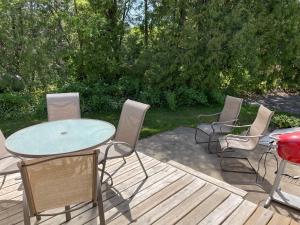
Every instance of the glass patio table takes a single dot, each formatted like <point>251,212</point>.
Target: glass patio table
<point>59,137</point>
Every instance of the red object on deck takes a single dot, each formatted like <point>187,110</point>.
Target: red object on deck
<point>289,147</point>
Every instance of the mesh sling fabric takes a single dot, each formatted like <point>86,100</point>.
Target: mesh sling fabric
<point>63,106</point>
<point>56,182</point>
<point>231,109</point>
<point>131,121</point>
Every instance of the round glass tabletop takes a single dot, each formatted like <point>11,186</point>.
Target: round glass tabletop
<point>59,137</point>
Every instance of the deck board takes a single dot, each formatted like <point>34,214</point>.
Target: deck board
<point>154,200</point>
<point>172,194</point>
<point>260,216</point>
<point>202,210</point>
<point>241,214</point>
<point>155,213</point>
<point>279,220</point>
<point>186,206</point>
<point>222,211</point>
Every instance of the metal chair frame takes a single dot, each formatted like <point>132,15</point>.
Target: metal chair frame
<point>211,136</point>
<point>142,108</point>
<point>28,212</point>
<point>243,138</point>
<point>5,156</point>
<point>112,143</point>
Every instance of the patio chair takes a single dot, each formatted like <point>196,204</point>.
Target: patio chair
<point>63,106</point>
<point>8,162</point>
<point>229,115</point>
<point>127,135</point>
<point>60,181</point>
<point>247,142</point>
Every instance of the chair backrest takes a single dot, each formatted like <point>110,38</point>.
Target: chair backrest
<point>55,182</point>
<point>3,151</point>
<point>262,121</point>
<point>63,106</point>
<point>231,109</point>
<point>131,121</point>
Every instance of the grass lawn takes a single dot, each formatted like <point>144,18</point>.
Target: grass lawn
<point>157,119</point>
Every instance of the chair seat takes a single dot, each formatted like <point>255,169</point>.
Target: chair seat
<point>115,151</point>
<point>236,143</point>
<point>9,165</point>
<point>206,128</point>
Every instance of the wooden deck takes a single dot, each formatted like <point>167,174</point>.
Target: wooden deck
<point>173,194</point>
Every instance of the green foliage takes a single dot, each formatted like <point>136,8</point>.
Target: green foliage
<point>14,105</point>
<point>188,96</point>
<point>186,52</point>
<point>96,97</point>
<point>152,96</point>
<point>216,97</point>
<point>171,100</point>
<point>285,121</point>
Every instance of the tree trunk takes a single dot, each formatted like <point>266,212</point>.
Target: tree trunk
<point>146,32</point>
<point>80,70</point>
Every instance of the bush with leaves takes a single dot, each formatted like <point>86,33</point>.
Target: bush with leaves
<point>171,100</point>
<point>285,121</point>
<point>16,105</point>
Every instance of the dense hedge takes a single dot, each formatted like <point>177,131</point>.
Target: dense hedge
<point>285,121</point>
<point>16,105</point>
<point>102,97</point>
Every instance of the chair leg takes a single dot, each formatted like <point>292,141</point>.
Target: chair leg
<point>124,160</point>
<point>210,139</point>
<point>209,143</point>
<point>100,205</point>
<point>3,180</point>
<point>196,131</point>
<point>137,155</point>
<point>102,172</point>
<point>25,210</point>
<point>221,154</point>
<point>68,213</point>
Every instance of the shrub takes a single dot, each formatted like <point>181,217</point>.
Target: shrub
<point>95,97</point>
<point>216,96</point>
<point>189,97</point>
<point>285,121</point>
<point>151,96</point>
<point>15,105</point>
<point>171,100</point>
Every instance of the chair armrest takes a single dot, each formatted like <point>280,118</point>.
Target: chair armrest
<point>10,156</point>
<point>112,143</point>
<point>225,122</point>
<point>207,115</point>
<point>237,126</point>
<point>242,137</point>
<point>222,124</point>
